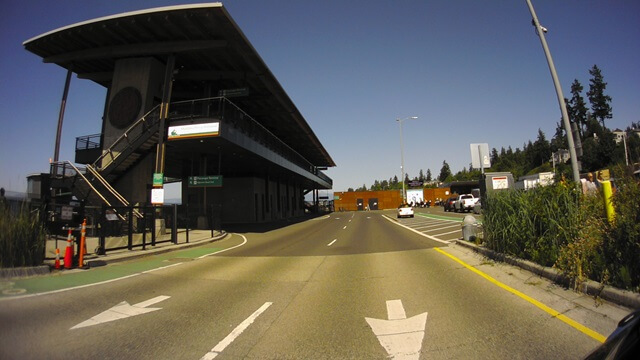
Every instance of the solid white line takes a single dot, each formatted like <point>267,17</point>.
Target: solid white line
<point>395,310</point>
<point>223,250</point>
<point>116,279</point>
<point>321,218</point>
<point>416,231</point>
<point>71,288</point>
<point>161,268</point>
<point>331,243</point>
<point>235,333</point>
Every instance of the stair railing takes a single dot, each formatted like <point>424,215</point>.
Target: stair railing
<point>113,191</point>
<point>145,123</point>
<point>81,174</point>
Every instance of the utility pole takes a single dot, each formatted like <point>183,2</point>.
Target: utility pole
<point>540,30</point>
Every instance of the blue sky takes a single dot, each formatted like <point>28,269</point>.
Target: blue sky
<point>472,71</point>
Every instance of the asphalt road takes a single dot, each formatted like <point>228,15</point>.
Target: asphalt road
<point>305,291</point>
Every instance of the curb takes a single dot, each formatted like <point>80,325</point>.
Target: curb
<point>92,263</point>
<point>12,273</point>
<point>21,272</point>
<point>589,287</point>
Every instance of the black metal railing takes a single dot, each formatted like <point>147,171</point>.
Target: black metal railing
<point>145,126</point>
<point>230,114</point>
<point>88,142</point>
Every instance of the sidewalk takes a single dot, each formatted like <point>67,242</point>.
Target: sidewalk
<point>196,238</point>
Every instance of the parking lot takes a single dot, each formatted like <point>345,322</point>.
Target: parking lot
<point>435,223</point>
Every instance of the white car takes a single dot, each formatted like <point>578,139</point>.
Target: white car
<point>405,210</point>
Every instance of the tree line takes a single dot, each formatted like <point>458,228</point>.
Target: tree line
<point>596,144</point>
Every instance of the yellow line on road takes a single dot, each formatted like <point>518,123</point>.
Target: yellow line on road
<point>601,338</point>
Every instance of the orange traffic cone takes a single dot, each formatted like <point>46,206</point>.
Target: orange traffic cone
<point>68,254</point>
<point>57,264</point>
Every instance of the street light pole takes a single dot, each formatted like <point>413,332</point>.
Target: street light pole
<point>563,108</point>
<point>404,194</point>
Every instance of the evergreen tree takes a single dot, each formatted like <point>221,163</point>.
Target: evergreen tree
<point>445,171</point>
<point>421,176</point>
<point>494,156</point>
<point>428,178</point>
<point>559,140</point>
<point>541,152</point>
<point>577,108</point>
<point>600,103</point>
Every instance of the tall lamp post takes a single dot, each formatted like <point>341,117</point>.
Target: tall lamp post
<point>540,30</point>
<point>404,194</point>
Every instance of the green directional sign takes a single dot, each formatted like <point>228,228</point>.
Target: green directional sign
<point>158,179</point>
<point>205,181</point>
<point>234,92</point>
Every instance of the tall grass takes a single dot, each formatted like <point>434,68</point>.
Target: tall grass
<point>533,224</point>
<point>22,238</point>
<point>558,226</point>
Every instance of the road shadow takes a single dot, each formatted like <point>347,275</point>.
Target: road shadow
<point>270,226</point>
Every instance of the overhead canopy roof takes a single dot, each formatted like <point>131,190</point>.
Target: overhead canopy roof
<point>210,49</point>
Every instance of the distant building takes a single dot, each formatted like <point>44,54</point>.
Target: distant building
<point>530,181</point>
<point>560,156</point>
<point>620,134</point>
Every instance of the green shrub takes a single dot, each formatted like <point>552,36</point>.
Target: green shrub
<point>22,239</point>
<point>622,240</point>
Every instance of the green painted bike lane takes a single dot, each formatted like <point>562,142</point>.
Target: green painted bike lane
<point>59,280</point>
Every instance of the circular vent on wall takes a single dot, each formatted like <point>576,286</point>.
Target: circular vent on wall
<point>125,107</point>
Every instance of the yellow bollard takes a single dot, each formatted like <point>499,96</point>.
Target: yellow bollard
<point>608,197</point>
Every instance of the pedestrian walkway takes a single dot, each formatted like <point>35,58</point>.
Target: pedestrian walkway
<point>91,259</point>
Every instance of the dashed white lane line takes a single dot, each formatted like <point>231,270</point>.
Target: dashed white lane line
<point>235,333</point>
<point>344,227</point>
<point>331,243</point>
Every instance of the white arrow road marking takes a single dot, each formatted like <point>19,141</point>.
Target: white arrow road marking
<point>399,336</point>
<point>122,311</point>
<point>235,333</point>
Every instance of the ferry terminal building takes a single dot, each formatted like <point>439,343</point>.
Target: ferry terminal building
<point>188,99</point>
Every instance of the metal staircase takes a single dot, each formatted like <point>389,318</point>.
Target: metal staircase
<point>92,183</point>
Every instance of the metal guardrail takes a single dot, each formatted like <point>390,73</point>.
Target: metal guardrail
<point>230,114</point>
<point>88,142</point>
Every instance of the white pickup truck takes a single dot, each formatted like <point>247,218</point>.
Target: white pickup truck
<point>465,202</point>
